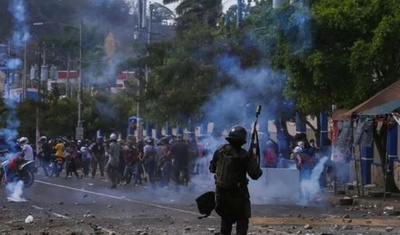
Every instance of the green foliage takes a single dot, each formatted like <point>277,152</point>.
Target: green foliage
<point>354,53</point>
<point>197,11</point>
<point>180,78</point>
<point>107,112</point>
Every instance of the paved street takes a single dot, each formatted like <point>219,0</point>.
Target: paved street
<point>88,206</point>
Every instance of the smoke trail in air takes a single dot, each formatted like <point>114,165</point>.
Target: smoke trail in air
<point>19,39</point>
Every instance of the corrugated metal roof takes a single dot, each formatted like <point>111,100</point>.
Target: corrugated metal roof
<point>381,103</point>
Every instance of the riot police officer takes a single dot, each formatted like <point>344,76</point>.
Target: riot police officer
<point>230,164</point>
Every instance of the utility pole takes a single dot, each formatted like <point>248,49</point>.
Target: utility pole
<point>239,14</point>
<point>39,79</point>
<point>138,120</point>
<point>67,87</point>
<point>25,77</point>
<point>80,77</point>
<point>136,34</point>
<point>148,41</point>
<point>8,72</point>
<point>148,128</point>
<point>144,9</point>
<point>79,128</point>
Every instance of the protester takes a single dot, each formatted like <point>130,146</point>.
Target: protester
<point>131,158</point>
<point>114,151</point>
<point>98,156</point>
<point>150,160</point>
<point>180,153</point>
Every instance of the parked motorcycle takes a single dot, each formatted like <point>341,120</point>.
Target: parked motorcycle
<point>16,169</point>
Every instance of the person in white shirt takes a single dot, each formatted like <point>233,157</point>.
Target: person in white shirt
<point>27,151</point>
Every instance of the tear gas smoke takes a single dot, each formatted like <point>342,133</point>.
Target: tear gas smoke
<point>21,30</point>
<point>15,190</point>
<point>296,26</point>
<point>19,39</point>
<point>310,188</point>
<point>259,85</point>
<point>284,186</point>
<point>14,63</point>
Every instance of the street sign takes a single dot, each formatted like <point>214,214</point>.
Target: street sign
<point>79,133</point>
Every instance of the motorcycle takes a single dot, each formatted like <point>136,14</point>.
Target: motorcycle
<point>17,168</point>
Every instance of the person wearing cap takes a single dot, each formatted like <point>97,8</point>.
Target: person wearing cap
<point>86,159</point>
<point>230,165</point>
<point>150,160</point>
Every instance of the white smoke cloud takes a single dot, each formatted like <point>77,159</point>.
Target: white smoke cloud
<point>15,190</point>
<point>19,39</point>
<point>310,188</point>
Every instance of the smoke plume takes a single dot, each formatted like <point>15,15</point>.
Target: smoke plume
<point>310,188</point>
<point>261,85</point>
<point>15,190</point>
<point>19,39</point>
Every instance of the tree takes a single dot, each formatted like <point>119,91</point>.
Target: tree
<point>161,13</point>
<point>179,83</point>
<point>355,53</point>
<point>190,11</point>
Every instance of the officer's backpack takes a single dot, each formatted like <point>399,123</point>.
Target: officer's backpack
<point>231,167</point>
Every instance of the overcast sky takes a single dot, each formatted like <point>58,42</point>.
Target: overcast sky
<point>227,4</point>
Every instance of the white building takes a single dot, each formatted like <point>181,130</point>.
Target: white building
<point>64,79</point>
<point>120,81</point>
<point>70,80</point>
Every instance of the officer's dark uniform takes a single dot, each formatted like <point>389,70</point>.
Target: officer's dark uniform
<point>233,204</point>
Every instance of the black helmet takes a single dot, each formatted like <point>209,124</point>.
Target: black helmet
<point>238,133</point>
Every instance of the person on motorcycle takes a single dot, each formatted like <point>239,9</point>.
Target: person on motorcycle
<point>26,149</point>
<point>59,148</point>
<point>25,154</point>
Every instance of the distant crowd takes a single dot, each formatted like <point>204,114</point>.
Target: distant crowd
<point>158,162</point>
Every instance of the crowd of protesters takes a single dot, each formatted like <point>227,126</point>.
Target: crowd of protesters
<point>171,160</point>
